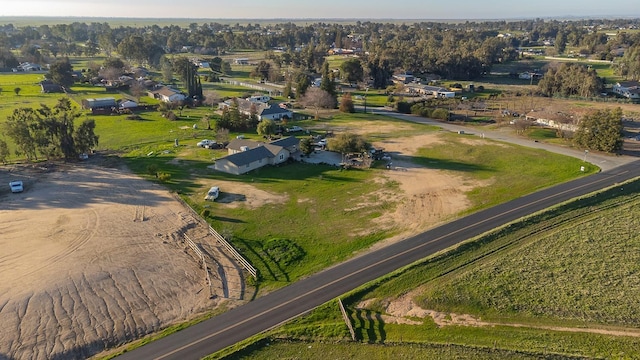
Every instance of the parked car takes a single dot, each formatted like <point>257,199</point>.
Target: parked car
<point>321,143</point>
<point>16,186</point>
<point>205,143</point>
<point>294,129</point>
<point>213,193</point>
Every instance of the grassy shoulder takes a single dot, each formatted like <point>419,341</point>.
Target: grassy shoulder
<point>561,283</point>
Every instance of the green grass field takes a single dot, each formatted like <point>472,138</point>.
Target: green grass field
<point>574,266</point>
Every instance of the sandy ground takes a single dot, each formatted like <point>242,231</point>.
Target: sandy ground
<point>92,257</point>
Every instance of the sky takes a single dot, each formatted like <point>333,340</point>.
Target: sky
<point>325,9</point>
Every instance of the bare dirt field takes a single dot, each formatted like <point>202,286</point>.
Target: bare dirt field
<point>93,257</point>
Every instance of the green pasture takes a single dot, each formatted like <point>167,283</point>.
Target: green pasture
<point>573,266</point>
<point>315,214</point>
<point>501,165</point>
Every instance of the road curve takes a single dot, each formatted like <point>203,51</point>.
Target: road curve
<point>300,297</point>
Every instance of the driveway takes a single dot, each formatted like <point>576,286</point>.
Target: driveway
<point>321,157</point>
<point>602,160</point>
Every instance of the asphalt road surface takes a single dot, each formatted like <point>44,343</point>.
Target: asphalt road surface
<point>299,298</point>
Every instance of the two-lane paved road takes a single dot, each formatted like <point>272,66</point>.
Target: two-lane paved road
<point>298,298</point>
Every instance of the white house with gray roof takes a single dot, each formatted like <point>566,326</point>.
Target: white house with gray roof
<point>246,155</point>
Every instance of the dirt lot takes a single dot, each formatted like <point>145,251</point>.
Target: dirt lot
<point>92,257</point>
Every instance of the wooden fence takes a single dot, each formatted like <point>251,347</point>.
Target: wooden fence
<point>245,264</point>
<point>200,254</point>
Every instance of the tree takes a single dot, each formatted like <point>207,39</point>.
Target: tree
<point>4,151</point>
<point>345,143</point>
<point>222,135</point>
<point>287,93</point>
<point>17,90</point>
<point>306,145</point>
<point>352,71</point>
<point>262,70</point>
<point>346,104</point>
<point>84,137</point>
<point>19,127</point>
<point>225,67</point>
<point>561,42</point>
<point>571,80</point>
<point>302,84</point>
<point>629,64</point>
<point>188,73</point>
<point>327,83</point>
<point>600,130</point>
<point>211,98</point>
<point>317,99</point>
<point>61,73</point>
<point>50,131</point>
<point>137,90</point>
<point>266,127</point>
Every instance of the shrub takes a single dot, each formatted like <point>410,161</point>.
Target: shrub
<point>283,251</point>
<point>170,115</point>
<point>164,177</point>
<point>152,170</point>
<point>442,114</point>
<point>403,107</point>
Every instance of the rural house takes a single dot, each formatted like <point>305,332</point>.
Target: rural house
<point>275,113</point>
<point>246,155</point>
<point>100,105</point>
<point>167,94</point>
<point>628,89</point>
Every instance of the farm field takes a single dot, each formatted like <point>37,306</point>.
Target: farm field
<point>558,284</point>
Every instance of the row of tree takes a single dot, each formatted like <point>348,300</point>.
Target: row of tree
<point>49,132</point>
<point>455,51</point>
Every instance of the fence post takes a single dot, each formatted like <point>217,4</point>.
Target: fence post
<point>347,320</point>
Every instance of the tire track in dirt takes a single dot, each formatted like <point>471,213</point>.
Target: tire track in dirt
<point>97,285</point>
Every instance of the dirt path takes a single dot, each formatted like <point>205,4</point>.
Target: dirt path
<point>404,311</point>
<point>92,257</point>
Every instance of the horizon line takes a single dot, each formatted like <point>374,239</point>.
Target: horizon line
<point>591,17</point>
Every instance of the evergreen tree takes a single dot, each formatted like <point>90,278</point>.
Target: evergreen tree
<point>327,83</point>
<point>61,73</point>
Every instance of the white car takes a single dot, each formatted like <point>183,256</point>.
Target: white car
<point>213,193</point>
<point>205,143</point>
<point>295,129</point>
<point>16,186</point>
